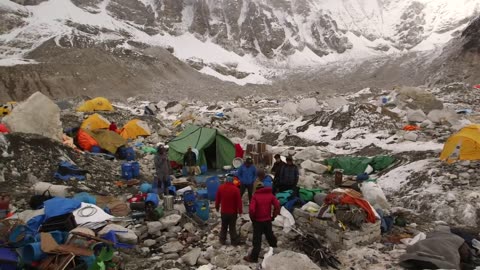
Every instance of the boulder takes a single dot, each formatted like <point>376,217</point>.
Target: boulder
<point>411,136</point>
<point>417,98</point>
<point>317,168</point>
<point>192,256</point>
<point>308,106</point>
<point>123,234</point>
<point>171,220</point>
<point>149,242</point>
<point>427,124</point>
<point>225,260</point>
<point>253,134</point>
<point>290,108</point>
<point>155,227</point>
<point>287,260</point>
<point>309,153</point>
<point>189,227</point>
<point>416,116</point>
<point>336,102</point>
<point>443,116</point>
<point>241,114</point>
<point>175,109</point>
<point>172,247</point>
<point>37,115</point>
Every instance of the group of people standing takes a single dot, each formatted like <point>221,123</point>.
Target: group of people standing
<point>263,205</point>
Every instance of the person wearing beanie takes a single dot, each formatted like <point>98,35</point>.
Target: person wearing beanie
<point>247,175</point>
<point>263,178</point>
<point>287,177</point>
<point>229,202</point>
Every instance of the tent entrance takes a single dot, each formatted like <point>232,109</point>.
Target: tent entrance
<point>211,155</point>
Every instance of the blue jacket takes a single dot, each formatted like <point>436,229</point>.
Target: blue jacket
<point>247,175</point>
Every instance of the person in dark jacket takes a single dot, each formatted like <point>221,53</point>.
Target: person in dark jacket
<point>190,161</point>
<point>162,169</point>
<point>277,165</point>
<point>263,209</point>
<point>247,175</point>
<point>287,177</point>
<point>229,201</point>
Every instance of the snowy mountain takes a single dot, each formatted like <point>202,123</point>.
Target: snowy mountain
<point>243,41</point>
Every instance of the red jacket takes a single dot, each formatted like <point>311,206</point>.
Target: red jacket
<point>228,197</point>
<point>261,205</point>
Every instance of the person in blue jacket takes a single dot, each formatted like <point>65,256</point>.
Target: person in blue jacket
<point>247,175</point>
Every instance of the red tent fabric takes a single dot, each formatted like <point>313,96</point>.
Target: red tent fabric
<point>476,86</point>
<point>4,129</point>
<point>239,151</point>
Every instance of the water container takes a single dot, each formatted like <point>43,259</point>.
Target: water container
<point>146,188</point>
<point>135,169</point>
<point>203,169</point>
<point>127,171</point>
<point>172,190</point>
<point>203,209</point>
<point>129,154</point>
<point>202,194</point>
<point>32,253</point>
<point>212,187</point>
<point>189,201</point>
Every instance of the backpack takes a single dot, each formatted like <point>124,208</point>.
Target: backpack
<point>284,197</point>
<point>308,194</point>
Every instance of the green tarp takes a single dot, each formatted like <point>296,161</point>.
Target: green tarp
<point>215,150</point>
<point>357,165</point>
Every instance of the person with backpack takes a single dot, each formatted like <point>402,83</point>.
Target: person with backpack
<point>263,209</point>
<point>287,177</point>
<point>247,174</point>
<point>229,201</point>
<point>162,169</point>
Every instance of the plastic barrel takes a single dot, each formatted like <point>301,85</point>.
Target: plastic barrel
<point>127,171</point>
<point>135,169</point>
<point>202,194</point>
<point>189,201</point>
<point>212,187</point>
<point>130,154</point>
<point>203,169</point>
<point>146,187</point>
<point>32,253</point>
<point>203,209</point>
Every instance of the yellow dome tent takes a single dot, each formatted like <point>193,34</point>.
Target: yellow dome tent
<point>7,108</point>
<point>464,145</point>
<point>95,121</point>
<point>96,104</point>
<point>134,129</point>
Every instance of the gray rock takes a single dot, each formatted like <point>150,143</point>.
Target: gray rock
<point>411,136</point>
<point>416,116</point>
<point>149,242</point>
<point>189,227</point>
<point>464,175</point>
<point>155,227</point>
<point>241,267</point>
<point>171,220</point>
<point>225,260</point>
<point>192,256</point>
<point>318,168</point>
<point>172,256</point>
<point>172,247</point>
<point>174,229</point>
<point>288,260</point>
<point>145,250</point>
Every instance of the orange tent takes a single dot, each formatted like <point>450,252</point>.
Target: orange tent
<point>85,141</point>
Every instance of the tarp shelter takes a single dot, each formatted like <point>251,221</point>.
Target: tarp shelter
<point>358,165</point>
<point>95,121</point>
<point>464,145</point>
<point>134,129</point>
<point>215,150</point>
<point>96,104</point>
<point>7,108</point>
<point>103,138</point>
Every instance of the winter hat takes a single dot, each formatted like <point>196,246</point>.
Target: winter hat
<point>259,185</point>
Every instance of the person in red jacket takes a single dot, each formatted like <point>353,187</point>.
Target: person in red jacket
<point>229,200</point>
<point>264,207</point>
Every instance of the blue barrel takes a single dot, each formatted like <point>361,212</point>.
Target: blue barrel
<point>212,187</point>
<point>135,169</point>
<point>203,209</point>
<point>129,154</point>
<point>189,201</point>
<point>32,253</point>
<point>203,169</point>
<point>202,194</point>
<point>127,171</point>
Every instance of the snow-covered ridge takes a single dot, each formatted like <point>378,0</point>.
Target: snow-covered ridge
<point>254,36</point>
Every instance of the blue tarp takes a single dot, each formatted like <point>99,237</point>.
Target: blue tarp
<point>60,206</point>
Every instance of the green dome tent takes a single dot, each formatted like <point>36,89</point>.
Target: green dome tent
<point>215,150</point>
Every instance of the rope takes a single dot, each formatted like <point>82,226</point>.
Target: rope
<point>92,209</point>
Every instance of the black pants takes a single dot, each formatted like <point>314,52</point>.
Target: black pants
<point>229,224</point>
<point>260,228</point>
<point>249,188</point>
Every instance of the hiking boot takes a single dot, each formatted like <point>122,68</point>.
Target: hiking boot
<point>250,260</point>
